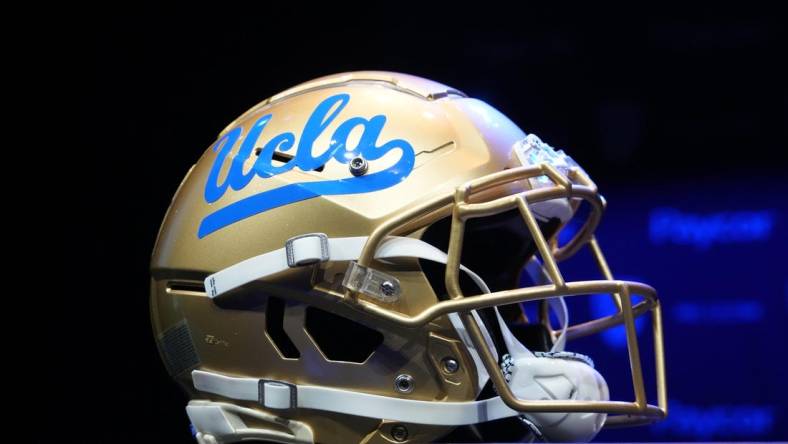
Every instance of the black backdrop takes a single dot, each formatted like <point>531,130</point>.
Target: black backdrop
<point>640,98</point>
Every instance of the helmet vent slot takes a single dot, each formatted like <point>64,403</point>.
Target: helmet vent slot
<point>185,287</point>
<point>339,338</point>
<point>274,326</point>
<point>284,158</point>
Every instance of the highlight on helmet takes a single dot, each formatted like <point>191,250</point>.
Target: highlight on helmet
<point>355,259</point>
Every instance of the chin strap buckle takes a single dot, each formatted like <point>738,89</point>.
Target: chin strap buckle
<point>307,249</point>
<point>277,395</point>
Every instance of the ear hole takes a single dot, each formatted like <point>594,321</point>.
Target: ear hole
<point>339,338</point>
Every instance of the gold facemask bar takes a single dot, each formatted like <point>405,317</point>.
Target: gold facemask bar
<point>575,186</point>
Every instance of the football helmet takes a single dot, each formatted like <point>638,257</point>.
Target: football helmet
<point>349,262</point>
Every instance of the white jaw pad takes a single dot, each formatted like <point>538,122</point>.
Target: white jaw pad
<point>561,379</point>
<point>555,375</point>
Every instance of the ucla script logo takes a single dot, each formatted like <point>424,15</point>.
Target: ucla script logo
<point>304,158</point>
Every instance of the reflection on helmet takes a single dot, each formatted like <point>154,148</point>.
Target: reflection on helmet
<point>297,299</point>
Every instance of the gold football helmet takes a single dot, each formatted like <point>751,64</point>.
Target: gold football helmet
<point>345,264</point>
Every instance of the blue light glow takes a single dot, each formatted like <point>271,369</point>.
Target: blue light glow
<point>603,306</point>
<point>716,312</point>
<point>569,231</point>
<point>725,421</point>
<point>669,225</point>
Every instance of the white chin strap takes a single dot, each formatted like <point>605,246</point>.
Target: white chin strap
<point>554,375</point>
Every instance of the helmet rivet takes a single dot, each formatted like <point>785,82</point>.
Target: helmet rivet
<point>388,288</point>
<point>358,166</point>
<point>450,365</point>
<point>399,433</point>
<point>403,383</point>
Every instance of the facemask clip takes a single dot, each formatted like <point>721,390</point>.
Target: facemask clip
<point>371,282</point>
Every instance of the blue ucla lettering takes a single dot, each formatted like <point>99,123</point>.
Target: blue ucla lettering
<point>304,158</point>
<point>315,126</point>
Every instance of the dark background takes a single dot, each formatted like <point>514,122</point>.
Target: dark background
<point>679,116</point>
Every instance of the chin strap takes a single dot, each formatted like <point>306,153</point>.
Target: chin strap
<point>539,381</point>
<point>278,395</point>
<point>312,248</point>
<point>308,249</point>
<point>282,396</point>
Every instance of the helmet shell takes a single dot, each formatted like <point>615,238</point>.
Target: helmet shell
<point>281,170</point>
